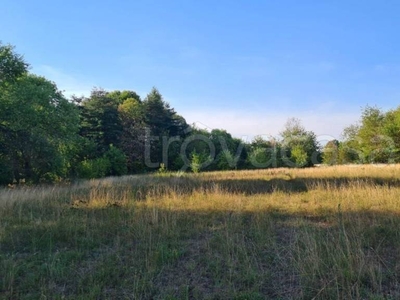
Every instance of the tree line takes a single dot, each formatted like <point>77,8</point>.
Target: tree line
<point>45,137</point>
<point>375,138</point>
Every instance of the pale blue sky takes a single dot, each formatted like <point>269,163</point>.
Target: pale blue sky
<point>244,66</point>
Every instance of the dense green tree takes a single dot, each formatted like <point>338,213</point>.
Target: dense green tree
<point>375,140</point>
<point>229,152</point>
<point>12,64</point>
<point>225,160</point>
<point>374,144</point>
<point>119,133</point>
<point>37,129</point>
<point>299,155</point>
<point>38,125</point>
<point>264,153</point>
<point>391,129</point>
<point>349,148</point>
<point>162,123</point>
<point>93,168</point>
<point>100,120</point>
<point>160,118</point>
<point>121,96</point>
<point>199,161</point>
<point>132,141</point>
<point>117,159</point>
<point>300,147</point>
<point>348,154</point>
<point>330,153</point>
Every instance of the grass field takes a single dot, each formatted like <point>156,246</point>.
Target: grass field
<point>320,233</point>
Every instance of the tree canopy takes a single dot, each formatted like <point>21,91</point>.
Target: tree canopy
<point>12,65</point>
<point>301,145</point>
<point>37,129</point>
<point>46,137</point>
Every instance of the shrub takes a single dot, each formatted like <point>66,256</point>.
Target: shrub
<point>195,163</point>
<point>299,156</point>
<point>94,168</point>
<point>199,161</point>
<point>117,160</point>
<point>226,161</point>
<point>330,155</point>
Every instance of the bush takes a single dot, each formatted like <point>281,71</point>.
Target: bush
<point>94,168</point>
<point>195,163</point>
<point>162,169</point>
<point>6,175</point>
<point>299,156</point>
<point>264,157</point>
<point>330,155</point>
<point>199,161</point>
<point>117,160</point>
<point>226,161</point>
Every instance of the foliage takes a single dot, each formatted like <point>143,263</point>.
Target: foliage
<point>160,117</point>
<point>45,137</point>
<point>330,155</point>
<point>94,168</point>
<point>264,153</point>
<point>229,152</point>
<point>199,161</point>
<point>163,169</point>
<point>195,164</point>
<point>36,128</point>
<point>370,135</point>
<point>100,121</point>
<point>226,160</point>
<point>161,123</point>
<point>117,161</point>
<point>132,141</point>
<point>299,156</point>
<point>376,139</point>
<point>12,65</point>
<point>300,147</point>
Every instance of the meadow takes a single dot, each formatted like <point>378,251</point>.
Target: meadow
<point>317,233</point>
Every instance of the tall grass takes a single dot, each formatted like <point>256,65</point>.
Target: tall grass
<point>321,233</point>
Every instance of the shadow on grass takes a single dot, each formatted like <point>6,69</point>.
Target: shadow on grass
<point>188,185</point>
<point>153,253</point>
<point>259,186</point>
<point>339,182</point>
<point>237,186</point>
<point>175,254</point>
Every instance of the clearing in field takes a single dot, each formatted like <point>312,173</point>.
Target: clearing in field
<point>321,233</point>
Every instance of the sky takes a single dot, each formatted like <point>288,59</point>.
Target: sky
<point>243,66</point>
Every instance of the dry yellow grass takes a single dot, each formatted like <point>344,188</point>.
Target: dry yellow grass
<point>320,233</point>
